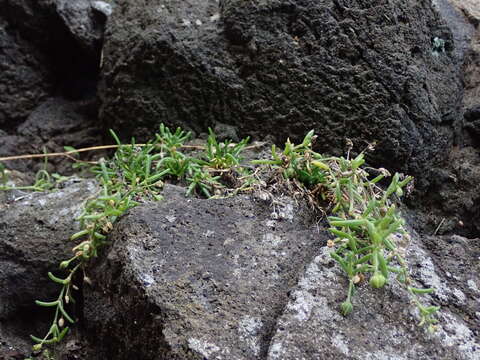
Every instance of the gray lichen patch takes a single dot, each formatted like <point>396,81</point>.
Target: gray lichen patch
<point>218,296</point>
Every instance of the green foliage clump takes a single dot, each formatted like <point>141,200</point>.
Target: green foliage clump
<point>366,223</point>
<point>135,173</point>
<point>44,181</point>
<point>224,155</point>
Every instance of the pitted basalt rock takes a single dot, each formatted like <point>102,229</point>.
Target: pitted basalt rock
<point>200,279</point>
<point>25,81</point>
<point>383,72</point>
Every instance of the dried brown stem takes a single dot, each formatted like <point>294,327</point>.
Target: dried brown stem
<point>68,154</point>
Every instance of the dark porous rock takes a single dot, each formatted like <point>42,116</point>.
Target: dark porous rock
<point>24,80</point>
<point>56,123</point>
<point>452,202</point>
<point>371,71</point>
<point>34,233</point>
<point>462,30</point>
<point>40,19</point>
<point>198,279</point>
<point>472,121</point>
<point>383,324</point>
<point>69,36</point>
<point>467,27</point>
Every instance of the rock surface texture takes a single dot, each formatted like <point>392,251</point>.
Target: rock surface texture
<point>68,33</point>
<point>201,279</point>
<point>25,80</point>
<point>451,203</point>
<point>248,279</point>
<point>382,325</point>
<point>470,11</point>
<point>55,123</point>
<point>34,233</point>
<point>47,49</point>
<point>369,71</point>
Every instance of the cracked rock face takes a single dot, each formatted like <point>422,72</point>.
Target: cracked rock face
<point>369,71</point>
<point>199,279</point>
<point>244,279</point>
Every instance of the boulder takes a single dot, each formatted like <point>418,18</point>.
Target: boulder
<point>468,23</point>
<point>242,278</point>
<point>452,204</point>
<point>25,80</point>
<point>383,323</point>
<point>55,123</point>
<point>379,72</point>
<point>197,279</point>
<point>34,233</point>
<point>47,21</point>
<point>63,37</point>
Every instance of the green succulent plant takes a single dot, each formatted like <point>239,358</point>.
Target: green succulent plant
<point>365,222</point>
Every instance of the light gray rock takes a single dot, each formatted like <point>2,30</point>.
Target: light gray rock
<point>81,22</point>
<point>103,7</point>
<point>241,279</point>
<point>383,323</point>
<point>200,279</point>
<point>35,228</point>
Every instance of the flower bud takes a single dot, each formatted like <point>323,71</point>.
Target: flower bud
<point>37,347</point>
<point>289,172</point>
<point>346,308</point>
<point>432,329</point>
<point>61,322</point>
<point>377,280</point>
<point>64,264</point>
